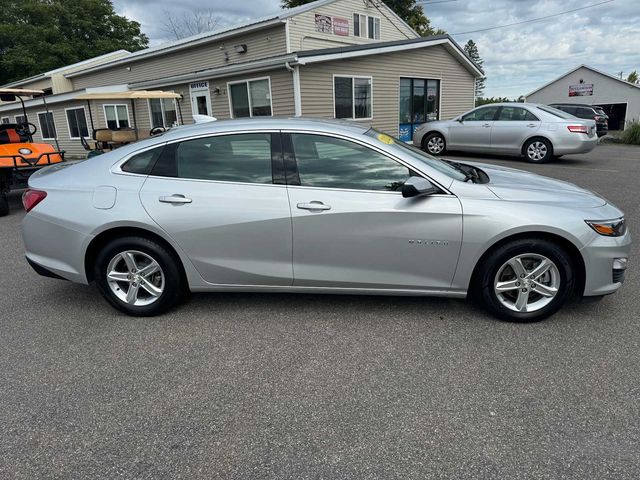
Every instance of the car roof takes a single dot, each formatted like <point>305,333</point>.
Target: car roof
<point>268,123</point>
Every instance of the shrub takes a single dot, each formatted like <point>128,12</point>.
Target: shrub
<point>631,134</point>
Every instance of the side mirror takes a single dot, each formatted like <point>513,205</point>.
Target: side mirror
<point>417,186</point>
<point>459,119</point>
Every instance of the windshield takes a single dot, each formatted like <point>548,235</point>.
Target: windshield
<point>556,112</point>
<point>417,154</point>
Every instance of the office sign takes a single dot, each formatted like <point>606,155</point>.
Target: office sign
<point>581,90</point>
<point>340,26</point>
<point>332,25</point>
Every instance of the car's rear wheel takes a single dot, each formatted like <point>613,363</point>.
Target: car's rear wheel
<point>538,150</point>
<point>4,205</point>
<point>138,276</point>
<point>526,280</point>
<point>434,144</point>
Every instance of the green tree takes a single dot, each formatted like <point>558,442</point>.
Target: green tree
<point>486,101</point>
<point>633,77</point>
<point>471,49</point>
<point>408,10</point>
<point>41,35</point>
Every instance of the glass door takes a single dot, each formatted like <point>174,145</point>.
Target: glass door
<point>200,98</point>
<point>419,103</point>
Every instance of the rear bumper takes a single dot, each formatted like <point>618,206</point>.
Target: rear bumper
<point>577,143</point>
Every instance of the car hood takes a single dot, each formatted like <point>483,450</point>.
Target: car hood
<point>518,185</point>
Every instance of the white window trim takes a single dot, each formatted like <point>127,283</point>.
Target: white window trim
<point>366,26</point>
<point>2,119</point>
<point>200,92</point>
<point>249,95</point>
<point>115,105</point>
<point>66,116</point>
<point>353,100</point>
<point>40,124</point>
<point>175,107</point>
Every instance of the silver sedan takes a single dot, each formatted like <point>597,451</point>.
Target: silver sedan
<point>300,205</point>
<point>536,131</point>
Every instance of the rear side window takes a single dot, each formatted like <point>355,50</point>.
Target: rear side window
<point>143,162</point>
<point>516,114</point>
<point>228,158</point>
<point>556,112</point>
<point>481,115</point>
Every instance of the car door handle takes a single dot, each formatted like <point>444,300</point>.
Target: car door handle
<point>175,199</point>
<point>486,125</point>
<point>531,125</point>
<point>314,205</point>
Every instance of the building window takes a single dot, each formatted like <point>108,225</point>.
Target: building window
<point>77,123</point>
<point>251,98</point>
<point>352,97</point>
<point>162,112</point>
<point>47,126</point>
<point>21,119</point>
<point>366,27</point>
<point>419,103</point>
<point>6,120</point>
<point>116,116</point>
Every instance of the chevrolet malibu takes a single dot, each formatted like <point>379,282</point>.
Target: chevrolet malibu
<point>313,206</point>
<point>537,132</point>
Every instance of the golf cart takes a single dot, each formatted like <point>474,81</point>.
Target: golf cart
<point>104,139</point>
<point>20,156</point>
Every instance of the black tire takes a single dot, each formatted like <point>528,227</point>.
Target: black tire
<point>538,150</point>
<point>493,264</point>
<point>434,144</point>
<point>4,205</point>
<point>175,285</point>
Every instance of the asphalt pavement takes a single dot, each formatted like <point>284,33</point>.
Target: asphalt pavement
<point>307,386</point>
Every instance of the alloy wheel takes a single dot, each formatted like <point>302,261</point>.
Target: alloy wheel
<point>537,151</point>
<point>135,277</point>
<point>527,282</point>
<point>435,145</point>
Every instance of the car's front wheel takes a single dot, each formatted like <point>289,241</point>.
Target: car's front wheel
<point>434,144</point>
<point>139,276</point>
<point>526,280</point>
<point>538,150</point>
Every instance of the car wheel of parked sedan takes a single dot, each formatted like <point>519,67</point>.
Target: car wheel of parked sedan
<point>138,276</point>
<point>526,280</point>
<point>434,144</point>
<point>4,205</point>
<point>538,150</point>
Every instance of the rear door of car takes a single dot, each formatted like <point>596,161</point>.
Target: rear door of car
<point>223,200</point>
<point>512,127</point>
<point>351,226</point>
<point>473,132</point>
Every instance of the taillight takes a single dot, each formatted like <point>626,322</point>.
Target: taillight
<point>578,129</point>
<point>31,198</point>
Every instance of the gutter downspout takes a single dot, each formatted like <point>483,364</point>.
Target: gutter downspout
<point>297,97</point>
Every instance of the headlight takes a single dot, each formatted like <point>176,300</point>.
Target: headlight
<point>609,228</point>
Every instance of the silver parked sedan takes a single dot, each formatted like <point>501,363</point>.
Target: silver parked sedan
<point>536,131</point>
<point>300,205</point>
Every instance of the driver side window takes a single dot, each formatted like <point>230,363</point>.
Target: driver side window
<point>330,162</point>
<point>481,115</point>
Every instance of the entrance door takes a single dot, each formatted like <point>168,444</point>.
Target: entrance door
<point>200,98</point>
<point>419,103</point>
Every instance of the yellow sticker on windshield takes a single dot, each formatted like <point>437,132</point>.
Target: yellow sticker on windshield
<point>385,139</point>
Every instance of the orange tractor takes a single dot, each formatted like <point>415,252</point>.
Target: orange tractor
<point>20,156</point>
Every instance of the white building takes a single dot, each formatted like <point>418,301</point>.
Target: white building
<point>584,84</point>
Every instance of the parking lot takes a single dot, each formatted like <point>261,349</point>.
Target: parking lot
<point>306,386</point>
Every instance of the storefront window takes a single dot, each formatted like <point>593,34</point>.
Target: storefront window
<point>352,97</point>
<point>251,98</point>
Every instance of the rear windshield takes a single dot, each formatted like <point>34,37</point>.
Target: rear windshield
<point>556,112</point>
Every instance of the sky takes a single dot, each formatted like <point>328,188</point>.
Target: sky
<point>517,59</point>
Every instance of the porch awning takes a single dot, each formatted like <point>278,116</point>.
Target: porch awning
<point>128,95</point>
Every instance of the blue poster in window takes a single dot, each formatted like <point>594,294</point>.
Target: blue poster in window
<point>405,132</point>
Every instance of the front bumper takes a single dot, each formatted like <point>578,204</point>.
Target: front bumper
<point>603,272</point>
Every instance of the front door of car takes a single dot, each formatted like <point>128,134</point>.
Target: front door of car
<point>473,130</point>
<point>216,197</point>
<point>353,229</point>
<point>512,127</point>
